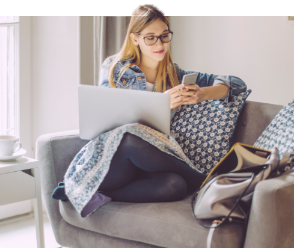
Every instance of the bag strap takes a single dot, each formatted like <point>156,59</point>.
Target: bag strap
<point>210,234</point>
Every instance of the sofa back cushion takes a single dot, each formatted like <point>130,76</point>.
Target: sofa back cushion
<point>280,132</point>
<point>253,120</point>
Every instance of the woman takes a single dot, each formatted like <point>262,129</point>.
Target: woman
<point>135,170</point>
<point>139,172</point>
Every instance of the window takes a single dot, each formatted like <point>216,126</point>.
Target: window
<point>9,75</point>
<point>9,95</point>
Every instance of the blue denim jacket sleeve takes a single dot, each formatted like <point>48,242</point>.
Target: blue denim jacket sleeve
<point>235,84</point>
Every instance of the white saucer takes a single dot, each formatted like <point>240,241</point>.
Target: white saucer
<point>15,155</point>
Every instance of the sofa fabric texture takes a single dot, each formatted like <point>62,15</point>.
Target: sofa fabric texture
<point>166,224</point>
<point>120,224</point>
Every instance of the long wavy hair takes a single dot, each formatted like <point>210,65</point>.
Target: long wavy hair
<point>166,71</point>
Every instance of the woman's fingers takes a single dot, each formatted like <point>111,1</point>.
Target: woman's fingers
<point>178,90</point>
<point>190,100</point>
<point>176,101</point>
<point>189,93</point>
<point>192,87</point>
<point>183,95</point>
<point>176,98</point>
<point>182,89</point>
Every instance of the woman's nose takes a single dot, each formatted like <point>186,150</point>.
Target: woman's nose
<point>159,42</point>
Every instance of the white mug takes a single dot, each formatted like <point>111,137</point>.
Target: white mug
<point>9,144</point>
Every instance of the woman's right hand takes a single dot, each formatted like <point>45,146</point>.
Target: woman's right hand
<point>176,95</point>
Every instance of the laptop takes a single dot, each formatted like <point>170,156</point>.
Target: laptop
<point>102,109</point>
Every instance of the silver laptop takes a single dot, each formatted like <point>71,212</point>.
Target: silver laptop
<point>102,109</point>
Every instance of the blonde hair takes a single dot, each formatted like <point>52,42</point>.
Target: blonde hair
<point>141,18</point>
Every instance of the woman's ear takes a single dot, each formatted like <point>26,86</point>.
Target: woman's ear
<point>134,39</point>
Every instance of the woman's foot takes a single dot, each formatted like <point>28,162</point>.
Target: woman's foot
<point>59,193</point>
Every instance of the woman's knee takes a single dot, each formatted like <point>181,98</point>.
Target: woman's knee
<point>173,187</point>
<point>130,138</point>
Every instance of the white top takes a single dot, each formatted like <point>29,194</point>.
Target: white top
<point>149,86</point>
<point>22,163</point>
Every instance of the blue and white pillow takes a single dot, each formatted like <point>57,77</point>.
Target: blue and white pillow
<point>205,130</point>
<point>280,132</point>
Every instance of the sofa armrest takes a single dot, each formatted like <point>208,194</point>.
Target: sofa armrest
<point>55,151</point>
<point>272,214</point>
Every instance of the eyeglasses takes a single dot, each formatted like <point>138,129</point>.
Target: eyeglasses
<point>151,40</point>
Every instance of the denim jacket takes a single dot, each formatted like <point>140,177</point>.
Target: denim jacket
<point>133,78</point>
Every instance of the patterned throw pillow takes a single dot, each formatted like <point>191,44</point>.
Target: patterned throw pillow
<point>279,133</point>
<point>205,130</point>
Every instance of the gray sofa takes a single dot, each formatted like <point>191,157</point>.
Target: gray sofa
<point>169,224</point>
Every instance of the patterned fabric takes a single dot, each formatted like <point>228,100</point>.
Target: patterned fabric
<point>205,130</point>
<point>89,167</point>
<point>279,133</point>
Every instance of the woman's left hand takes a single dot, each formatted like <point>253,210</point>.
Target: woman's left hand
<point>193,94</point>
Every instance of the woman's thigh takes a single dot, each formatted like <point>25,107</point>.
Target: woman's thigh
<point>121,172</point>
<point>135,159</point>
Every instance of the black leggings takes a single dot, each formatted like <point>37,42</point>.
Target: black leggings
<point>140,172</point>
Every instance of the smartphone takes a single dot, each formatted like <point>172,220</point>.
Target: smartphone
<point>190,79</point>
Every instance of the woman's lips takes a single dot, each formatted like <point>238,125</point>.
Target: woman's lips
<point>159,52</point>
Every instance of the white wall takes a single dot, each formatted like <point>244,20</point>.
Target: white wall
<point>259,50</point>
<point>55,75</point>
<point>25,82</point>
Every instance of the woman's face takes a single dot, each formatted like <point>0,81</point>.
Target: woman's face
<point>157,51</point>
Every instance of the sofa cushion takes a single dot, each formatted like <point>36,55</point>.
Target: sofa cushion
<point>279,133</point>
<point>254,118</point>
<point>165,224</point>
<point>205,130</point>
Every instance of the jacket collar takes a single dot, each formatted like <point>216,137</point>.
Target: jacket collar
<point>128,61</point>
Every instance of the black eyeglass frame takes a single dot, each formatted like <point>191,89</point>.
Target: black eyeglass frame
<point>157,37</point>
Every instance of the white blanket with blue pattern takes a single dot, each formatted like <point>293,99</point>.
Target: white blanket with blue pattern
<point>91,164</point>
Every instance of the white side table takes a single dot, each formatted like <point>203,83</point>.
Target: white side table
<point>16,186</point>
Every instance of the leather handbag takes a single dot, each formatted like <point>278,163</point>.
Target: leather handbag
<point>226,193</point>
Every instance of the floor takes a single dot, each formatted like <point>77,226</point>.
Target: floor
<point>24,232</point>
